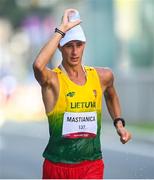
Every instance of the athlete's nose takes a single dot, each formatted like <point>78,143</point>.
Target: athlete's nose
<point>74,50</point>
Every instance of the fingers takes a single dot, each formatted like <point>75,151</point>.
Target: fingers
<point>66,24</point>
<point>125,136</point>
<point>66,14</point>
<point>67,11</point>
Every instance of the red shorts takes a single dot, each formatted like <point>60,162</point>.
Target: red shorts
<point>84,170</point>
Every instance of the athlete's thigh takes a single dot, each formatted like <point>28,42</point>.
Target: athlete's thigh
<point>95,170</point>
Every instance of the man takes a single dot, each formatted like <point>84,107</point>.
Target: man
<point>72,96</point>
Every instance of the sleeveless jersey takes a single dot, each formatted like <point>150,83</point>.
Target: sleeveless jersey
<point>75,121</point>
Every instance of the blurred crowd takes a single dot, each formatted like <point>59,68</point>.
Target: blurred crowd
<point>19,94</point>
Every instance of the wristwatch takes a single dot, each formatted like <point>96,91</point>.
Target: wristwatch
<point>116,120</point>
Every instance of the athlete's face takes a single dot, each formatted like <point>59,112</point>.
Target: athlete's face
<point>72,52</point>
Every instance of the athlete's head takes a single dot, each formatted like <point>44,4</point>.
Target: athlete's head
<point>72,52</point>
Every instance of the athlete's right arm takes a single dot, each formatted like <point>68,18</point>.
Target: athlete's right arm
<point>42,73</point>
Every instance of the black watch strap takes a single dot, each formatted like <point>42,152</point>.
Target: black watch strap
<point>117,120</point>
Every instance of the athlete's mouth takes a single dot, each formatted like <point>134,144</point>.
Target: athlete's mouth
<point>74,58</point>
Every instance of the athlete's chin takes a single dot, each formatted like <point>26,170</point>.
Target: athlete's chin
<point>74,61</point>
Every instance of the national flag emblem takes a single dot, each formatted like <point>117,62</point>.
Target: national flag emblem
<point>95,93</point>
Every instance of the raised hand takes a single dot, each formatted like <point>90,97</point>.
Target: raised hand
<point>66,24</point>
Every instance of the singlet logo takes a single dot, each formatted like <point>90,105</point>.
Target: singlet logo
<point>71,94</point>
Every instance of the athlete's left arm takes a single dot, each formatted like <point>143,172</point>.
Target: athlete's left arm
<point>112,102</point>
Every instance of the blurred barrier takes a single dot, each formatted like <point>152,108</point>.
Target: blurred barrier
<point>136,96</point>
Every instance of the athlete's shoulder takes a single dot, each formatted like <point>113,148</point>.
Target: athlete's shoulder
<point>51,78</point>
<point>105,73</point>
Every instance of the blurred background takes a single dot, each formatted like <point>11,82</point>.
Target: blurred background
<point>120,35</point>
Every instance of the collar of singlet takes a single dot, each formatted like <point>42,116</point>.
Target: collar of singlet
<point>64,70</point>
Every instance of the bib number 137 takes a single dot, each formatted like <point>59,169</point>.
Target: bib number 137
<point>82,126</point>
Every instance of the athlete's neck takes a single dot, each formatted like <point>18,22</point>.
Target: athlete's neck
<point>76,74</point>
<point>73,71</point>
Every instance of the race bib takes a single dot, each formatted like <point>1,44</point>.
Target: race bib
<point>79,125</point>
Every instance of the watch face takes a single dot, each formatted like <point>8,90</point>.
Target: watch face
<point>119,119</point>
